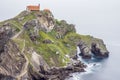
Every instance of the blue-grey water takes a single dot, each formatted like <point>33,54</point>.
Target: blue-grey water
<point>100,18</point>
<point>107,69</point>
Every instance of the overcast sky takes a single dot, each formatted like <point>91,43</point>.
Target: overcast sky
<point>100,18</point>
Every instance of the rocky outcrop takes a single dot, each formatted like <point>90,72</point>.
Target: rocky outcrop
<point>85,50</point>
<point>62,28</point>
<point>98,52</point>
<point>35,46</point>
<point>38,62</point>
<point>96,49</point>
<point>11,60</point>
<point>5,77</point>
<point>57,73</point>
<point>62,73</point>
<point>46,20</point>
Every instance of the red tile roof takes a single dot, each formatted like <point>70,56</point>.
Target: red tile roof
<point>33,8</point>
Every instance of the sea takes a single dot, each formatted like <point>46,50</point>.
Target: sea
<point>106,69</point>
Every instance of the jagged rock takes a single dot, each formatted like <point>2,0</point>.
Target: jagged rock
<point>5,77</point>
<point>5,34</point>
<point>85,50</point>
<point>46,20</point>
<point>57,73</point>
<point>62,28</point>
<point>30,24</point>
<point>12,60</point>
<point>98,52</point>
<point>33,75</point>
<point>8,29</point>
<point>75,57</point>
<point>94,46</point>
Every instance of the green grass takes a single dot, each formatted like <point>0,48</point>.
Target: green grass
<point>20,43</point>
<point>16,24</point>
<point>1,23</point>
<point>48,51</point>
<point>65,45</point>
<point>28,17</point>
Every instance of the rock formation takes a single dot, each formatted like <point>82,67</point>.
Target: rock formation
<point>92,47</point>
<point>85,50</point>
<point>98,52</point>
<point>36,46</point>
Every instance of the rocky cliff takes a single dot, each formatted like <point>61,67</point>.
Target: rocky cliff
<point>36,46</point>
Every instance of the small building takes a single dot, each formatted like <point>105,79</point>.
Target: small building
<point>46,10</point>
<point>33,7</point>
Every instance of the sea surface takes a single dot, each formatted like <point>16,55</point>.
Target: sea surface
<point>107,69</point>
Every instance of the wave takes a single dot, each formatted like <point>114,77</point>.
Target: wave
<point>93,66</point>
<point>91,69</point>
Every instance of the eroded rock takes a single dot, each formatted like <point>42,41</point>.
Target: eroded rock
<point>12,60</point>
<point>98,51</point>
<point>85,50</point>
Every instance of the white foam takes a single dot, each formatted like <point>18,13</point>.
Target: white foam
<point>90,69</point>
<point>93,67</point>
<point>75,76</point>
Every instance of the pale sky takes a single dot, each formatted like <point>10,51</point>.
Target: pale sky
<point>100,18</point>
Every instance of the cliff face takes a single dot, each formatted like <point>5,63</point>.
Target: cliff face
<point>12,60</point>
<point>33,44</point>
<point>92,47</point>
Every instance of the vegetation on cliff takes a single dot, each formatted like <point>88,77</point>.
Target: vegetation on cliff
<point>40,40</point>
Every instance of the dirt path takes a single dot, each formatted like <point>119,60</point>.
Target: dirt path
<point>15,36</point>
<point>36,57</point>
<point>24,70</point>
